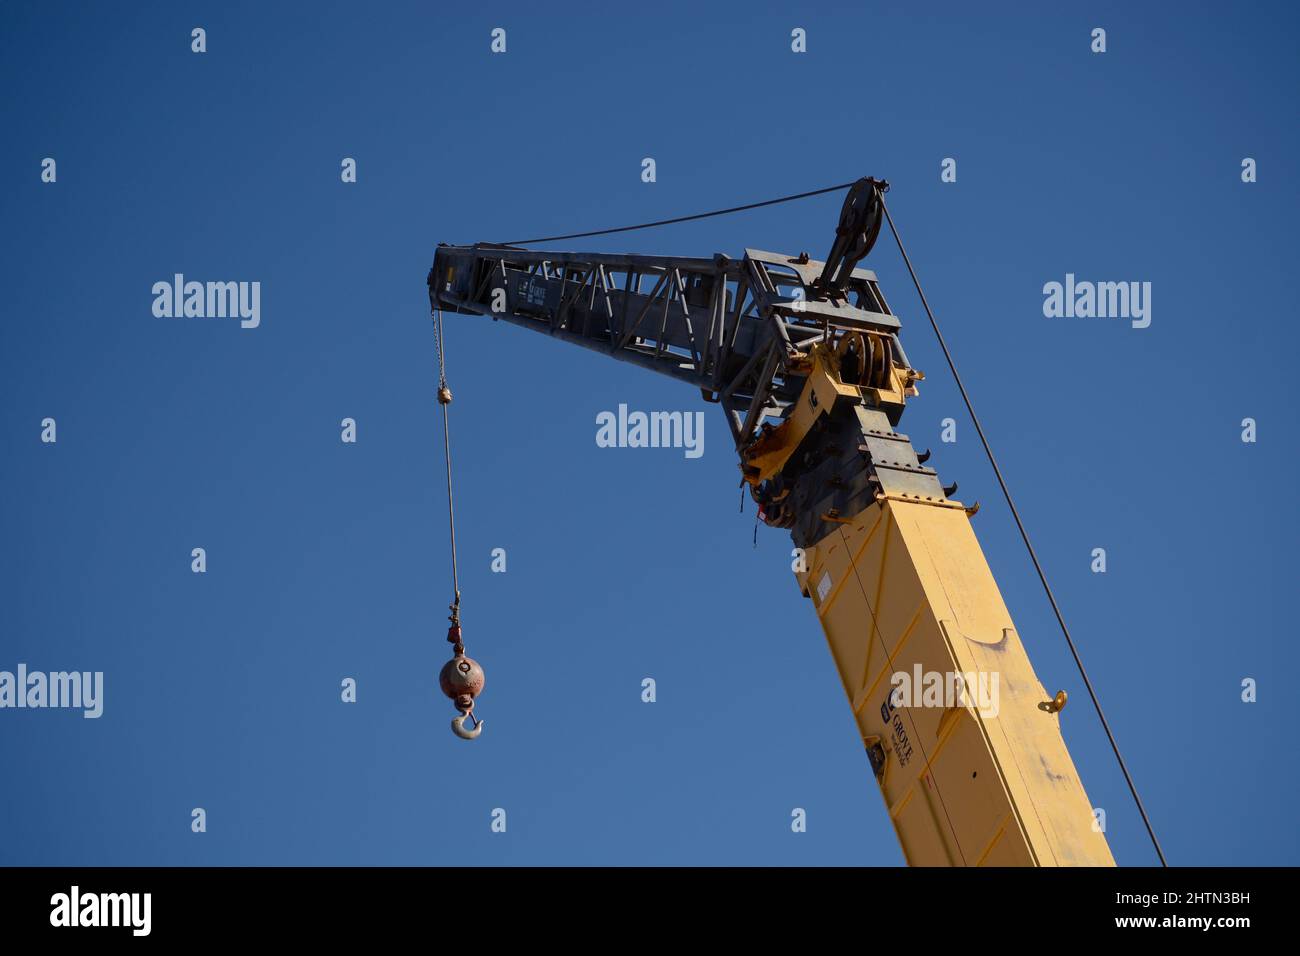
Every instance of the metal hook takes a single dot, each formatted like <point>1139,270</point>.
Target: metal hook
<point>458,727</point>
<point>1056,704</point>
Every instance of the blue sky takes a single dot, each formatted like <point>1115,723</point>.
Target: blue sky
<point>328,560</point>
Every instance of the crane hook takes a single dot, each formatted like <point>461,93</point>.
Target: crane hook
<point>458,726</point>
<point>461,679</point>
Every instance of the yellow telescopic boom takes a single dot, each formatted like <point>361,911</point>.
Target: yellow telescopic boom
<point>964,740</point>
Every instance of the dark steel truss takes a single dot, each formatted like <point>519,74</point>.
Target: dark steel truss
<point>726,326</point>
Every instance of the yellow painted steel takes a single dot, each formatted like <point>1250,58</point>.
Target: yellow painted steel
<point>770,451</point>
<point>905,583</point>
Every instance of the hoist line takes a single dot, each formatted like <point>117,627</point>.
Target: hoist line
<point>446,446</point>
<point>1024,535</point>
<point>669,222</point>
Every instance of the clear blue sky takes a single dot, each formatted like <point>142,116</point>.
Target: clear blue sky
<point>328,560</point>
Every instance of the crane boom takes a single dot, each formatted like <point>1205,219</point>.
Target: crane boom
<point>805,359</point>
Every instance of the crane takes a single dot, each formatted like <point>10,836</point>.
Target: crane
<point>805,360</point>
